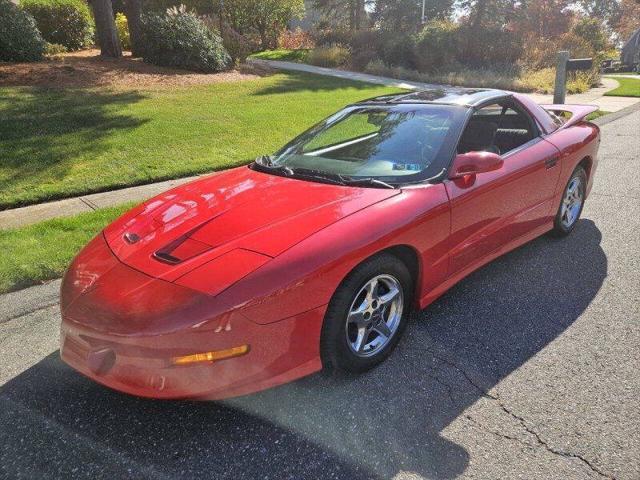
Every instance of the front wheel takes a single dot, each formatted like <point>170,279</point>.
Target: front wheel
<point>571,205</point>
<point>367,314</point>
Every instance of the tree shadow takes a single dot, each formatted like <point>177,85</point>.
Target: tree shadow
<point>44,131</point>
<point>374,425</point>
<point>307,82</point>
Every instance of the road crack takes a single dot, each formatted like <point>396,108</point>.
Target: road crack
<point>521,421</point>
<point>29,312</point>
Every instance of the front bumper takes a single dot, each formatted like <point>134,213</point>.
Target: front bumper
<point>123,329</point>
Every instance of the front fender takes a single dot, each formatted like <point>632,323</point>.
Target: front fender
<point>306,276</point>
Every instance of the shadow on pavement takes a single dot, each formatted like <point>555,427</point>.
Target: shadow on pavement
<point>324,426</point>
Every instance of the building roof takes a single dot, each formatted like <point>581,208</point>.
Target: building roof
<point>468,97</point>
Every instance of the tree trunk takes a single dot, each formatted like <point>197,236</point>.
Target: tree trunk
<point>359,13</point>
<point>106,28</point>
<point>133,10</point>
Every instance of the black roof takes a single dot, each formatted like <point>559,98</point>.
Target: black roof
<point>468,97</point>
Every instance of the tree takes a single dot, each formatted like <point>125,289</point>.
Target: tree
<point>544,18</point>
<point>133,11</point>
<point>344,13</point>
<point>603,10</point>
<point>491,14</point>
<point>270,17</point>
<point>406,15</point>
<point>266,18</point>
<point>592,32</point>
<point>627,19</point>
<point>107,35</point>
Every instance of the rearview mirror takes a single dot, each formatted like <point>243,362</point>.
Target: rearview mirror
<point>472,163</point>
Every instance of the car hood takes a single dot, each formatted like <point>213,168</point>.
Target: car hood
<point>237,209</point>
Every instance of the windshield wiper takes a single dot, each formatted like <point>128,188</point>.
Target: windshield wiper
<point>366,181</point>
<point>266,162</point>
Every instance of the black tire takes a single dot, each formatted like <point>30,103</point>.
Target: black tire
<point>560,229</point>
<point>334,343</point>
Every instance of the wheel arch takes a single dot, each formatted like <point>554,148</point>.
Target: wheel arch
<point>587,164</point>
<point>408,255</point>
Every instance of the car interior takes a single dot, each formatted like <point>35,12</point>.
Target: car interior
<point>497,128</point>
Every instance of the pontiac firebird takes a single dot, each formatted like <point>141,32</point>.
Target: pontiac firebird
<point>313,257</point>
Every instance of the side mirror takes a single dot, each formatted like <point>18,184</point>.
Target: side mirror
<point>472,163</point>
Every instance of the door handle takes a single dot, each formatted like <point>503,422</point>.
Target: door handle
<point>551,162</point>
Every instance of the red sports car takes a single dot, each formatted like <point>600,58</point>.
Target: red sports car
<point>314,256</point>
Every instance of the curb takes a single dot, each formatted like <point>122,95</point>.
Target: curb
<point>612,117</point>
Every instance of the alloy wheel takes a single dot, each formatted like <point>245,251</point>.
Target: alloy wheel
<point>571,203</point>
<point>374,315</point>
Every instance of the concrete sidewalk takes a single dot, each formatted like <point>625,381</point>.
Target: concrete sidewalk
<point>18,217</point>
<point>595,96</point>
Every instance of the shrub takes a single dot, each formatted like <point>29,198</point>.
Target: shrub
<point>295,39</point>
<point>123,31</point>
<point>506,78</point>
<point>364,46</point>
<point>238,46</point>
<point>591,30</point>
<point>328,56</point>
<point>54,49</point>
<point>180,39</point>
<point>65,22</point>
<point>488,46</point>
<point>332,37</point>
<point>20,40</point>
<point>398,50</point>
<point>436,45</point>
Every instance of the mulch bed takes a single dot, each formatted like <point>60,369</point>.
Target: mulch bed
<point>88,69</point>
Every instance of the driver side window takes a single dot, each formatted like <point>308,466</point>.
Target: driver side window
<point>497,128</point>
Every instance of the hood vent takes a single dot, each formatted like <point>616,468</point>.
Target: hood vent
<point>180,250</point>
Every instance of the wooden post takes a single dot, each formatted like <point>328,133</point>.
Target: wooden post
<point>560,89</point>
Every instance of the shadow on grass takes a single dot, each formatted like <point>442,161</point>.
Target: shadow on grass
<point>307,82</point>
<point>43,131</point>
<point>58,424</point>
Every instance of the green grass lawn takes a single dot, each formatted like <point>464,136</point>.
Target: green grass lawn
<point>61,143</point>
<point>597,114</point>
<point>283,54</point>
<point>629,87</point>
<point>43,251</point>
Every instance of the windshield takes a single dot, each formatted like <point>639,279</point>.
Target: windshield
<point>398,143</point>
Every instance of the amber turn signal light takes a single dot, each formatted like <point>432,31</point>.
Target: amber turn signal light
<point>211,356</point>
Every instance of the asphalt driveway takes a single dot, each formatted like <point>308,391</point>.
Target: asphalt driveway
<point>529,368</point>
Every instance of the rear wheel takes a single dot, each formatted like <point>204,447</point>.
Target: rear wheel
<point>571,205</point>
<point>367,314</point>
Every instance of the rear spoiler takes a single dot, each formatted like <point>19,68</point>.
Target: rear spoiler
<point>578,112</point>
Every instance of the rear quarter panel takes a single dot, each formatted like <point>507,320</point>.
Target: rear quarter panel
<point>576,143</point>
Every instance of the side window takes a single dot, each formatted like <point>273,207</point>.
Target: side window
<point>497,128</point>
<point>516,128</point>
<point>479,135</point>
